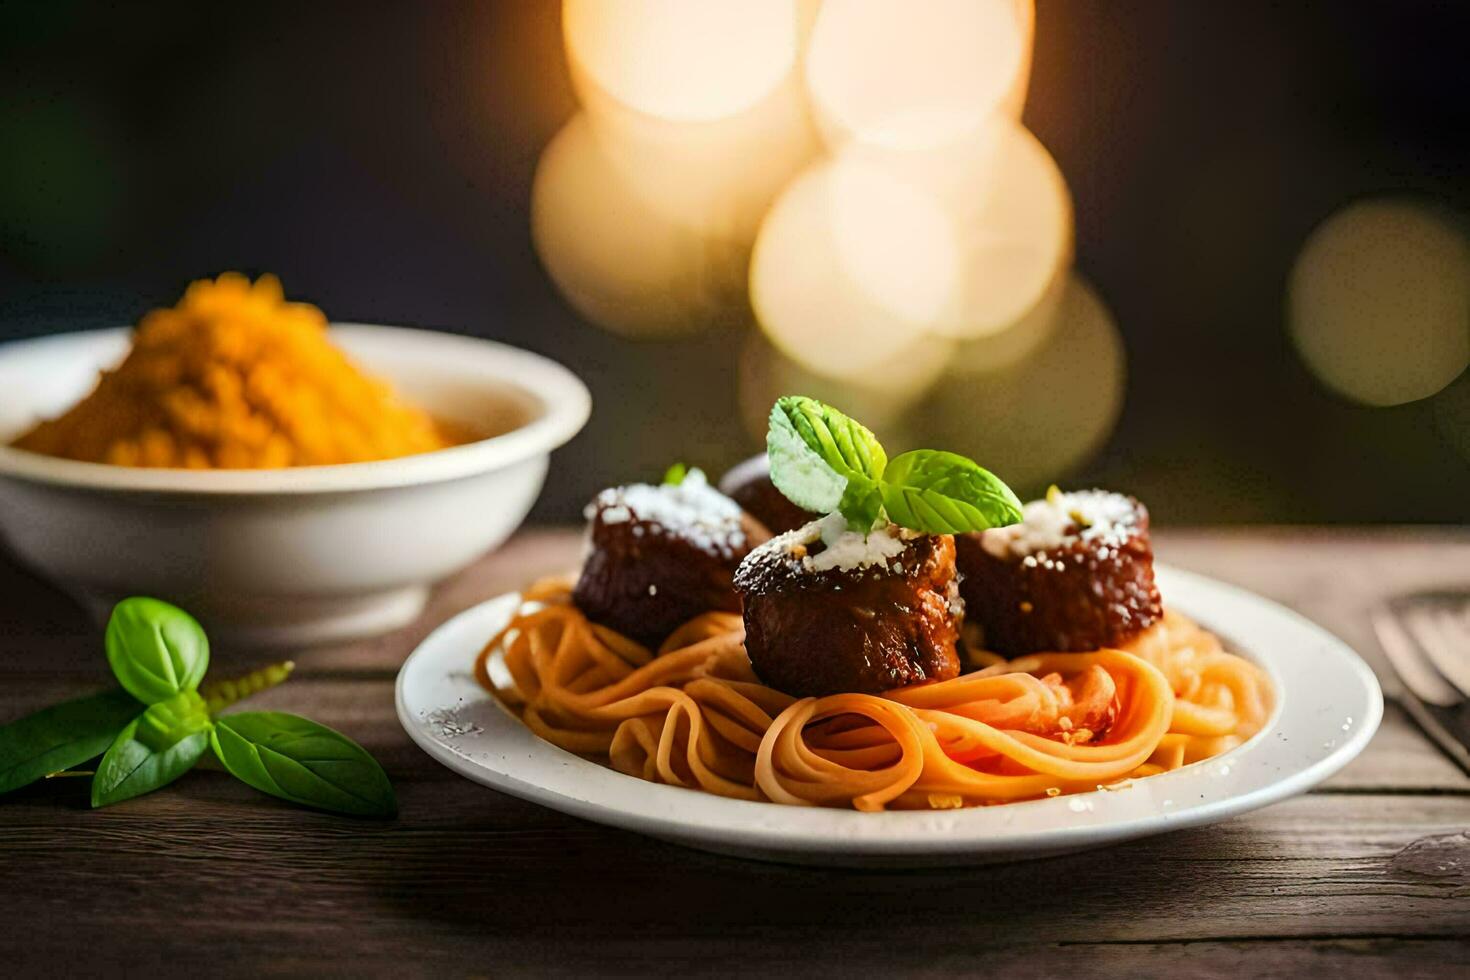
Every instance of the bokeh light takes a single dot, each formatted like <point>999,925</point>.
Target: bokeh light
<point>918,74</point>
<point>1014,100</point>
<point>934,226</point>
<point>881,401</point>
<point>1035,421</point>
<point>1012,216</point>
<point>682,60</point>
<point>716,177</point>
<point>851,266</point>
<point>1020,340</point>
<point>1379,302</point>
<point>622,263</point>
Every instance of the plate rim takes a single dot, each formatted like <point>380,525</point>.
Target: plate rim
<point>758,835</point>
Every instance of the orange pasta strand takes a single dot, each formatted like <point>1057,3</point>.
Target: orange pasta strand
<point>694,714</point>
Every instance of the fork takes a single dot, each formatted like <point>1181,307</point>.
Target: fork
<point>1427,639</point>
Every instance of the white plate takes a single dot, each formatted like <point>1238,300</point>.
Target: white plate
<point>1327,707</point>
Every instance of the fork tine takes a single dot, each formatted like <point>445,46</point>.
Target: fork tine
<point>1448,645</point>
<point>1410,662</point>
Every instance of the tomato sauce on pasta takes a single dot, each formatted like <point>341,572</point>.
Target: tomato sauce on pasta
<point>694,714</point>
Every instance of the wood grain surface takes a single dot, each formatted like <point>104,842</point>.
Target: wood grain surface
<point>1368,875</point>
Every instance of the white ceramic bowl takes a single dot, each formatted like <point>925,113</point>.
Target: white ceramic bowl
<point>298,556</point>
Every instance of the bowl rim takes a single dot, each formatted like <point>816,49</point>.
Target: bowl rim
<point>562,407</point>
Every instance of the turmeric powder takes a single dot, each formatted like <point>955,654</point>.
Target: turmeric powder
<point>235,377</point>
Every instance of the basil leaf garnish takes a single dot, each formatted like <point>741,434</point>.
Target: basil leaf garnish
<point>157,747</point>
<point>304,762</point>
<point>861,504</point>
<point>816,451</point>
<point>675,474</point>
<point>156,650</point>
<point>945,493</point>
<point>824,462</point>
<point>62,736</point>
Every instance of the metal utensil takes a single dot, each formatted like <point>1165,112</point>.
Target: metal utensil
<point>1427,639</point>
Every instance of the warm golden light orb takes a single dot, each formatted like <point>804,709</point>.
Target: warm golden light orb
<point>1036,421</point>
<point>1379,302</point>
<point>683,60</point>
<point>1012,217</point>
<point>716,176</point>
<point>850,267</point>
<point>1008,348</point>
<point>917,74</point>
<point>622,263</point>
<point>881,399</point>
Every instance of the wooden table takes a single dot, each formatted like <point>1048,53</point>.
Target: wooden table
<point>1369,873</point>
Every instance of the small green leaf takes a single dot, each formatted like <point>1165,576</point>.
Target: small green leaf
<point>861,504</point>
<point>944,493</point>
<point>157,747</point>
<point>675,474</point>
<point>298,760</point>
<point>155,649</point>
<point>62,736</point>
<point>816,452</point>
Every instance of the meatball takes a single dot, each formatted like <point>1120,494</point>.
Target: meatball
<point>750,486</point>
<point>1076,574</point>
<point>830,611</point>
<point>659,556</point>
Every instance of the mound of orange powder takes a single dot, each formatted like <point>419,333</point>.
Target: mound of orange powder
<point>236,377</point>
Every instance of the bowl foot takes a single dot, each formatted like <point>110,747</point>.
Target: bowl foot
<point>274,623</point>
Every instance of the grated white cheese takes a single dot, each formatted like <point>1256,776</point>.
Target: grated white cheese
<point>692,510</point>
<point>1092,515</point>
<point>842,549</point>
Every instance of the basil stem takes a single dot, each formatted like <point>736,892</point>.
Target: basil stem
<point>155,649</point>
<point>61,736</point>
<point>304,762</point>
<point>157,747</point>
<point>220,695</point>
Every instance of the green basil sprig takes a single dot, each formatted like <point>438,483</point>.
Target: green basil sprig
<point>155,748</point>
<point>161,725</point>
<point>155,649</point>
<point>825,462</point>
<point>298,760</point>
<point>62,736</point>
<point>945,493</point>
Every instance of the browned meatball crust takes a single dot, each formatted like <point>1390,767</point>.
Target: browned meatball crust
<point>659,556</point>
<point>812,630</point>
<point>1057,583</point>
<point>750,486</point>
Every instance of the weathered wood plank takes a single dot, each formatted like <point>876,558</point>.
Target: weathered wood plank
<point>1372,875</point>
<point>463,862</point>
<point>443,952</point>
<point>1400,759</point>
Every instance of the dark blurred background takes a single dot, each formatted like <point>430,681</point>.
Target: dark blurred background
<point>379,158</point>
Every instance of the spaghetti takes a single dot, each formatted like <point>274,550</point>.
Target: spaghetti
<point>694,714</point>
